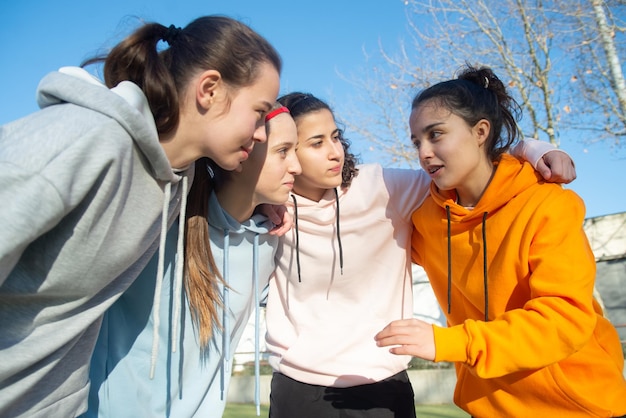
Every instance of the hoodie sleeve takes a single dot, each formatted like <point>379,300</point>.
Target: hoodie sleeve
<point>532,150</point>
<point>555,320</point>
<point>47,172</point>
<point>407,189</point>
<point>32,206</point>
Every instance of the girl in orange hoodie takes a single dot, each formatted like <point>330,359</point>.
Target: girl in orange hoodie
<point>510,263</point>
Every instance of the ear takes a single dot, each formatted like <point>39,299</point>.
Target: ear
<point>206,88</point>
<point>481,131</point>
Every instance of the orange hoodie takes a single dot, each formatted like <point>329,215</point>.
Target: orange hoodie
<point>526,335</point>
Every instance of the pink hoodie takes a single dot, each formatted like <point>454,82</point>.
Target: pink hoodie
<point>321,330</point>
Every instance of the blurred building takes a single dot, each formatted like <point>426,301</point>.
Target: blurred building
<point>607,236</point>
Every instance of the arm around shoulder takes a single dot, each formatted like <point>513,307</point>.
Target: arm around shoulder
<point>554,164</point>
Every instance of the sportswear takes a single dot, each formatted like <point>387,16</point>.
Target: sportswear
<point>515,276</point>
<point>346,259</point>
<point>188,381</point>
<point>320,329</point>
<point>88,190</point>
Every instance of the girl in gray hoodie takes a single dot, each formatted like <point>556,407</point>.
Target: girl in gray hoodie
<point>91,183</point>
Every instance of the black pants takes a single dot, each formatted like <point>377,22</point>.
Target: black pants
<point>389,398</point>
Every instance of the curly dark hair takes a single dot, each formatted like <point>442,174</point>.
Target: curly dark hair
<point>300,104</point>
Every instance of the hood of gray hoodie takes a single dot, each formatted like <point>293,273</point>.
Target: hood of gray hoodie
<point>75,85</point>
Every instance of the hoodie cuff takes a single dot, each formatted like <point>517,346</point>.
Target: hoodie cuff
<point>450,344</point>
<point>532,150</point>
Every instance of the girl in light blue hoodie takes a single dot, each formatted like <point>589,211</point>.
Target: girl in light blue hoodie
<point>173,356</point>
<point>91,183</point>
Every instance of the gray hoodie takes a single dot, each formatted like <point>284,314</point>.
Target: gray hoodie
<point>86,192</point>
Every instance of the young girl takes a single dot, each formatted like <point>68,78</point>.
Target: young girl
<point>93,179</point>
<point>189,373</point>
<point>343,272</point>
<point>509,262</point>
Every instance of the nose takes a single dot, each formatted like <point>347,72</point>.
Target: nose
<point>260,134</point>
<point>336,150</point>
<point>294,166</point>
<point>425,151</point>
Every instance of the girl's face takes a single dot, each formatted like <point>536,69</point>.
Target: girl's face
<point>451,151</point>
<point>320,153</point>
<point>223,123</point>
<point>275,163</point>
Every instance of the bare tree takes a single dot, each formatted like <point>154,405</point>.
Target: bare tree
<point>548,52</point>
<point>599,72</point>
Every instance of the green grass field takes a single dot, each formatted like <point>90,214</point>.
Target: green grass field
<point>423,411</point>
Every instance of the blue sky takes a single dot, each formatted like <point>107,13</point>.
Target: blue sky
<point>317,40</point>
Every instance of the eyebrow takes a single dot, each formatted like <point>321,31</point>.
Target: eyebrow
<point>321,136</point>
<point>431,126</point>
<point>283,144</point>
<point>427,128</point>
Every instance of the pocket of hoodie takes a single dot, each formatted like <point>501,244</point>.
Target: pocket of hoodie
<point>576,387</point>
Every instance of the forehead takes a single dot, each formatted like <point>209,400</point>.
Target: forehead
<point>264,88</point>
<point>318,120</point>
<point>429,110</point>
<point>282,128</point>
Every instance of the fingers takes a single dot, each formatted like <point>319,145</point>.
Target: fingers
<point>543,169</point>
<point>557,167</point>
<point>408,336</point>
<point>394,328</point>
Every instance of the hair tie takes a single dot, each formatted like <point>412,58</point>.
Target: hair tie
<point>486,82</point>
<point>276,112</point>
<point>171,34</point>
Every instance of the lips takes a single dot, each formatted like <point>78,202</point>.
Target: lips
<point>433,169</point>
<point>247,150</point>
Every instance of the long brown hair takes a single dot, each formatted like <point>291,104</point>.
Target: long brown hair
<point>202,276</point>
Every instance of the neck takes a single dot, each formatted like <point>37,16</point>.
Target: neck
<point>172,149</point>
<point>469,194</point>
<point>314,194</point>
<point>237,200</point>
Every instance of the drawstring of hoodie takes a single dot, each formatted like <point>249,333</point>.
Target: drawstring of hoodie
<point>295,215</point>
<point>156,304</point>
<point>226,334</point>
<point>338,234</point>
<point>257,321</point>
<point>225,316</point>
<point>178,277</point>
<point>485,283</point>
<point>485,277</point>
<point>449,261</point>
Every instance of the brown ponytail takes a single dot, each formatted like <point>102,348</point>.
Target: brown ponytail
<point>202,276</point>
<point>210,42</point>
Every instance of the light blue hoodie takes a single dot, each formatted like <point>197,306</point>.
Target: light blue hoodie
<point>186,382</point>
<point>86,192</point>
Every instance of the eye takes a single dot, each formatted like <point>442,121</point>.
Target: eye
<point>434,134</point>
<point>416,142</point>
